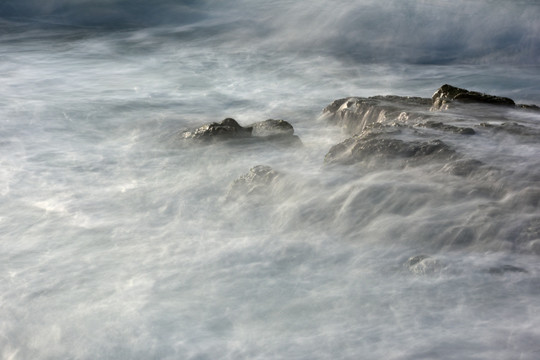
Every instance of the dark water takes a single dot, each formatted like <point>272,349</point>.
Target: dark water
<point>117,241</point>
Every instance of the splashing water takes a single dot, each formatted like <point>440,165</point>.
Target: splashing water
<point>118,241</point>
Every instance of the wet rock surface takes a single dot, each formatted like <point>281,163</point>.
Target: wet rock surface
<point>405,158</point>
<point>357,149</point>
<point>460,143</point>
<point>511,128</point>
<point>353,114</point>
<point>446,127</point>
<point>227,129</point>
<point>277,131</point>
<point>415,130</point>
<point>382,142</point>
<point>272,127</point>
<point>448,95</point>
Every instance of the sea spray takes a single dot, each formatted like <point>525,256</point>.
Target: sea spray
<point>119,241</point>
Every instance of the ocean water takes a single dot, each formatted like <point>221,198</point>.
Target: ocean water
<point>118,240</point>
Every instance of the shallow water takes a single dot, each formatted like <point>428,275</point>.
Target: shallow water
<point>118,240</point>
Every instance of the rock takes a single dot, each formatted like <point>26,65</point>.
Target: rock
<point>448,128</point>
<point>502,269</point>
<point>256,181</point>
<point>423,264</point>
<point>279,132</point>
<point>530,107</point>
<point>511,128</point>
<point>357,149</point>
<point>272,127</point>
<point>446,95</point>
<point>226,129</point>
<point>354,114</point>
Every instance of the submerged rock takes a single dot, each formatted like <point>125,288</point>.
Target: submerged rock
<point>511,128</point>
<point>256,181</point>
<point>446,95</point>
<point>423,264</point>
<point>502,269</point>
<point>358,148</point>
<point>462,167</point>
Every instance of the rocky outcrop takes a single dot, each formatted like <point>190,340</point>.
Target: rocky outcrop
<point>278,131</point>
<point>379,146</point>
<point>414,130</point>
<point>448,95</point>
<point>354,114</point>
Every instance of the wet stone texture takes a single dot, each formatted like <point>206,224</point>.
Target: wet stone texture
<point>277,131</point>
<point>354,114</point>
<point>272,127</point>
<point>445,127</point>
<point>446,95</point>
<point>227,129</point>
<point>378,124</point>
<point>369,146</point>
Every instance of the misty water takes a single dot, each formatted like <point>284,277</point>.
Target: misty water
<point>118,239</point>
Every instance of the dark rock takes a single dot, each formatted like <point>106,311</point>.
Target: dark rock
<point>226,129</point>
<point>354,114</point>
<point>448,128</point>
<point>335,105</point>
<point>511,128</point>
<point>256,181</point>
<point>357,149</point>
<point>278,132</point>
<point>272,127</point>
<point>423,264</point>
<point>502,269</point>
<point>448,94</point>
<point>530,107</point>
